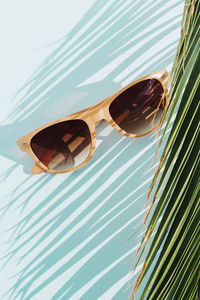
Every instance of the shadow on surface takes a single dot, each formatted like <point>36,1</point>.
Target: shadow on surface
<point>75,233</point>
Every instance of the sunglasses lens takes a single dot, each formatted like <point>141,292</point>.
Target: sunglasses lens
<point>64,145</point>
<point>139,108</point>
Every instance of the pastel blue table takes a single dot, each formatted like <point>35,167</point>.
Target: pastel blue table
<point>74,235</point>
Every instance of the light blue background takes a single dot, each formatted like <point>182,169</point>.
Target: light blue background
<point>67,236</point>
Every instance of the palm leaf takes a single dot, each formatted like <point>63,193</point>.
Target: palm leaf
<point>179,204</point>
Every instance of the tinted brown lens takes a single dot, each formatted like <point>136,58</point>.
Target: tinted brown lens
<point>139,108</point>
<point>63,145</point>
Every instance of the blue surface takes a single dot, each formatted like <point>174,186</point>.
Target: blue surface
<point>67,236</point>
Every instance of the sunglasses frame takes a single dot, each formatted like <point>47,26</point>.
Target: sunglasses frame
<point>91,115</point>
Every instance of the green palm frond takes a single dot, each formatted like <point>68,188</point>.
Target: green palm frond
<point>175,274</point>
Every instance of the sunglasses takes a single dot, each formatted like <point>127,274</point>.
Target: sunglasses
<point>69,143</point>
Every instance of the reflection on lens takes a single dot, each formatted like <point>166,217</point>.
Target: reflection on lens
<point>139,108</point>
<point>63,145</point>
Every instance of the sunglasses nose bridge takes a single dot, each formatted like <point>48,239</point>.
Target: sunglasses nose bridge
<point>97,116</point>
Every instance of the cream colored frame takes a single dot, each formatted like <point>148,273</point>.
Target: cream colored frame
<point>91,116</point>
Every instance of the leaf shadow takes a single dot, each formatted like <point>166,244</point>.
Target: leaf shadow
<point>76,231</point>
